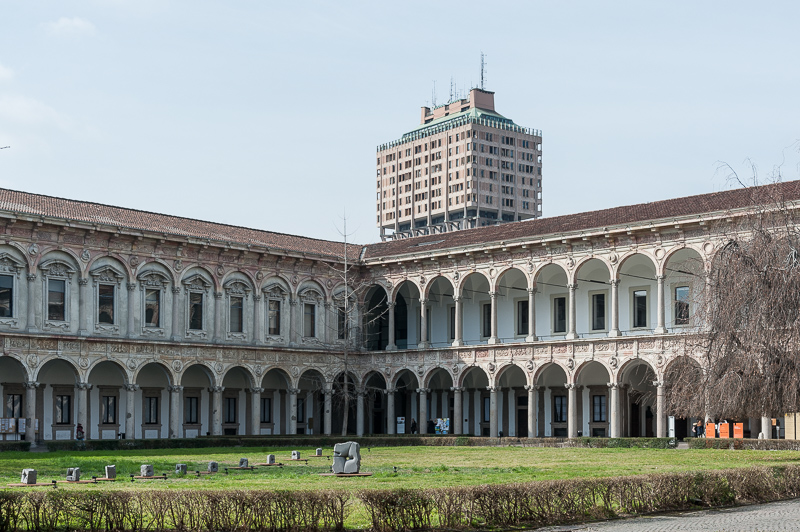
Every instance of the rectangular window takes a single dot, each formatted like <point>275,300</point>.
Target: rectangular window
<point>152,308</point>
<point>63,409</point>
<point>341,323</point>
<point>230,410</point>
<point>105,304</point>
<point>682,305</point>
<point>639,308</point>
<point>191,410</point>
<point>560,409</point>
<point>559,314</point>
<point>266,410</point>
<point>522,317</point>
<point>196,311</point>
<point>14,405</point>
<point>151,410</point>
<point>452,322</point>
<point>6,296</point>
<point>309,320</point>
<point>108,409</point>
<point>599,408</point>
<point>486,320</point>
<point>274,317</point>
<point>598,312</point>
<point>237,314</point>
<point>56,291</point>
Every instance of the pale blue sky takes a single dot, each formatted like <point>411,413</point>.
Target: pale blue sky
<point>268,114</point>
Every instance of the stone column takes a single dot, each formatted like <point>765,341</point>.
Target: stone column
<point>255,411</point>
<point>465,420</point>
<point>175,411</point>
<point>493,430</point>
<point>32,301</point>
<point>391,346</point>
<point>613,411</point>
<point>531,315</point>
<point>766,427</point>
<point>219,335</point>
<point>177,309</point>
<point>660,327</point>
<point>30,411</point>
<point>571,312</point>
<point>423,324</point>
<point>614,329</point>
<point>83,311</point>
<point>391,421</point>
<point>493,338</point>
<point>360,394</point>
<point>131,309</point>
<point>422,424</point>
<point>511,430</point>
<point>291,427</point>
<point>130,408</point>
<point>258,321</point>
<point>328,393</point>
<point>572,410</point>
<point>532,396</point>
<point>83,406</point>
<point>661,420</point>
<point>216,409</point>
<point>459,324</point>
<point>458,410</point>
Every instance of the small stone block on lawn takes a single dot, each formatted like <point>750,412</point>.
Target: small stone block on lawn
<point>74,474</point>
<point>111,471</point>
<point>270,459</point>
<point>319,451</point>
<point>180,469</point>
<point>213,467</point>
<point>28,476</point>
<point>295,455</point>
<point>243,462</point>
<point>146,470</point>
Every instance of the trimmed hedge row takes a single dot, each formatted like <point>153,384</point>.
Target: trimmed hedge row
<point>15,446</point>
<point>365,441</point>
<point>555,502</point>
<point>737,444</point>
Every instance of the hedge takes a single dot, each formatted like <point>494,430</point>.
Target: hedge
<point>365,441</point>
<point>737,444</point>
<point>15,446</point>
<point>530,504</point>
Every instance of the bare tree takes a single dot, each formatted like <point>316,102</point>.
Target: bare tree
<point>742,357</point>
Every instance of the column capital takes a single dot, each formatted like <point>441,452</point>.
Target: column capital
<point>131,387</point>
<point>256,390</point>
<point>31,384</point>
<point>389,391</point>
<point>216,389</point>
<point>494,388</point>
<point>257,297</point>
<point>572,286</point>
<point>530,387</point>
<point>532,290</point>
<point>658,384</point>
<point>660,278</point>
<point>31,277</point>
<point>83,386</point>
<point>423,302</point>
<point>613,385</point>
<point>217,295</point>
<point>573,386</point>
<point>176,290</point>
<point>293,391</point>
<point>83,281</point>
<point>131,287</point>
<point>614,282</point>
<point>423,390</point>
<point>456,389</point>
<point>175,388</point>
<point>493,294</point>
<point>293,301</point>
<point>390,305</point>
<point>457,299</point>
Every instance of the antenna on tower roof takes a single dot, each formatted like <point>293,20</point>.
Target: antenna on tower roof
<point>483,70</point>
<point>451,90</point>
<point>433,95</point>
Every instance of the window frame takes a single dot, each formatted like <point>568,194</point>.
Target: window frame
<point>553,297</point>
<point>57,270</point>
<point>275,292</point>
<point>148,396</point>
<point>673,303</point>
<point>632,301</point>
<point>13,267</point>
<point>159,281</point>
<point>606,304</point>
<point>106,275</point>
<point>196,284</point>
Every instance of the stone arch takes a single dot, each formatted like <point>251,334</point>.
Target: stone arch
<point>237,382</point>
<point>406,298</point>
<point>247,378</point>
<point>638,398</point>
<point>633,253</point>
<point>102,259</point>
<point>438,375</point>
<point>476,375</point>
<point>311,288</point>
<point>549,372</point>
<point>376,317</point>
<point>61,254</point>
<point>407,376</point>
<point>638,292</point>
<point>684,271</point>
<point>438,280</point>
<point>54,358</point>
<point>241,275</point>
<point>589,261</point>
<point>151,365</point>
<point>476,276</point>
<point>59,379</point>
<point>508,268</point>
<point>160,266</point>
<point>108,379</point>
<point>273,375</point>
<point>511,286</point>
<point>510,368</point>
<point>375,408</point>
<point>407,283</point>
<point>552,297</point>
<point>19,252</point>
<point>197,274</point>
<point>102,361</point>
<point>593,297</point>
<point>191,373</point>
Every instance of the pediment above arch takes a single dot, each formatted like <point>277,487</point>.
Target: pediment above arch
<point>57,268</point>
<point>107,274</point>
<point>197,282</point>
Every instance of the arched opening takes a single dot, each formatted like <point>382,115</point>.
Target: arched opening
<point>344,404</point>
<point>638,397</point>
<point>440,402</point>
<point>476,309</point>
<point>684,285</point>
<point>310,403</point>
<point>376,319</point>
<point>375,404</point>
<point>196,381</point>
<point>552,300</point>
<point>593,299</point>
<point>236,402</point>
<point>638,295</point>
<point>405,309</point>
<point>595,409</point>
<point>441,312</point>
<point>553,397</point>
<point>60,408</point>
<point>12,391</point>
<point>107,420</point>
<point>512,306</point>
<point>512,402</point>
<point>274,402</point>
<point>476,408</point>
<point>684,397</point>
<point>406,401</point>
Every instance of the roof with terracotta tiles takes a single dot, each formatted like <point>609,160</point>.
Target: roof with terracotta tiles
<point>657,210</point>
<point>95,213</point>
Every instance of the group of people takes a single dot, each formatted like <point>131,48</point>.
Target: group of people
<point>699,428</point>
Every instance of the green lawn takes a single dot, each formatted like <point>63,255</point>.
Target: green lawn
<point>423,467</point>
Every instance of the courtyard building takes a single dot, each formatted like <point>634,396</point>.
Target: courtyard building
<point>143,325</point>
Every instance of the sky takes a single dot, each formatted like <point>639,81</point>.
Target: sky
<point>268,114</point>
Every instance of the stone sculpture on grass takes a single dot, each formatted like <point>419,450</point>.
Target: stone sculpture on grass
<point>28,476</point>
<point>346,458</point>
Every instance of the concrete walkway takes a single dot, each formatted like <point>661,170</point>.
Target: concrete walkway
<point>770,517</point>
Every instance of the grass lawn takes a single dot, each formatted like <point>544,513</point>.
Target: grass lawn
<point>417,467</point>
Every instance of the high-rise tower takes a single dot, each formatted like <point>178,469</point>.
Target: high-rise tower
<point>464,166</point>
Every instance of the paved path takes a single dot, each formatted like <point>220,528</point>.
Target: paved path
<point>761,518</point>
